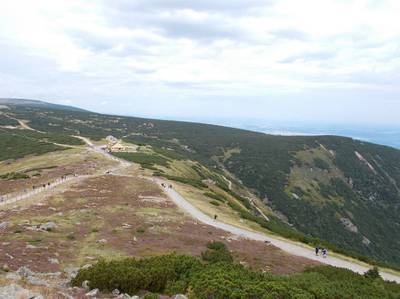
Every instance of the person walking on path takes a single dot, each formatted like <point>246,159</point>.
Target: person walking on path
<point>324,253</point>
<point>215,217</point>
<point>316,250</point>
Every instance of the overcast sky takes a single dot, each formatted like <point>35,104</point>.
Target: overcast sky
<point>320,61</point>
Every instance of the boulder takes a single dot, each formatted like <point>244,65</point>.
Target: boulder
<point>179,296</point>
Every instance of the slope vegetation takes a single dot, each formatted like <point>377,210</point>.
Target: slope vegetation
<point>334,188</point>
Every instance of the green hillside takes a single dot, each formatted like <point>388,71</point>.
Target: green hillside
<point>341,190</point>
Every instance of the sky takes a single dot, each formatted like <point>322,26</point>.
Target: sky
<point>321,61</point>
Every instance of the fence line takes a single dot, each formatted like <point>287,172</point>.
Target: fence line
<point>16,196</point>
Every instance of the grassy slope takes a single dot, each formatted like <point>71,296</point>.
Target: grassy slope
<point>270,165</point>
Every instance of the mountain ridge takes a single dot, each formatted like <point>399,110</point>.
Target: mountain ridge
<point>335,188</point>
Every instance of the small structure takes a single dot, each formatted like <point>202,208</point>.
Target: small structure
<point>111,139</point>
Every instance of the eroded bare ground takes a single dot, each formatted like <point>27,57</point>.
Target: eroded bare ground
<point>111,216</point>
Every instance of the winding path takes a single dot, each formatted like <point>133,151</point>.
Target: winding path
<point>287,246</point>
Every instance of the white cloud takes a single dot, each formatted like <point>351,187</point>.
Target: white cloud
<point>114,52</point>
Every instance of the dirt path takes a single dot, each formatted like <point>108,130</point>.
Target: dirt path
<point>15,197</point>
<point>286,245</point>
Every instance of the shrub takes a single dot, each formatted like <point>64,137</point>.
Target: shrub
<point>216,245</point>
<point>131,275</point>
<point>140,230</point>
<point>372,273</point>
<point>218,197</point>
<point>217,252</point>
<point>151,296</point>
<point>172,274</point>
<point>215,203</point>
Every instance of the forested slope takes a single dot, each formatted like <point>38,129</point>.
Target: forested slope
<point>335,188</point>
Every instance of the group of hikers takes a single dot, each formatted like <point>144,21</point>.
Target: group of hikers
<point>165,185</point>
<point>4,198</point>
<point>324,251</point>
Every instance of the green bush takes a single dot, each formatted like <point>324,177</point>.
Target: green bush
<point>216,252</point>
<point>372,273</point>
<point>131,275</point>
<point>222,279</point>
<point>151,296</point>
<point>215,203</point>
<point>218,197</point>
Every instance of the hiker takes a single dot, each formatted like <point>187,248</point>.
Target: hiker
<point>324,252</point>
<point>215,217</point>
<point>170,186</point>
<point>316,250</point>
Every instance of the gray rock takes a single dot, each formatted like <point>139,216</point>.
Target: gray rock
<point>31,277</point>
<point>53,260</point>
<point>48,226</point>
<point>25,272</point>
<point>13,291</point>
<point>4,225</point>
<point>116,292</point>
<point>87,266</point>
<point>179,296</point>
<point>92,293</point>
<point>85,284</point>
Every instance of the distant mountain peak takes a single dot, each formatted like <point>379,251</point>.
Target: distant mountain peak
<point>37,103</point>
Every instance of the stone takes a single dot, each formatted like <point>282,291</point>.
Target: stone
<point>87,266</point>
<point>71,272</point>
<point>53,261</point>
<point>29,246</point>
<point>102,241</point>
<point>4,225</point>
<point>179,296</point>
<point>5,268</point>
<point>48,226</point>
<point>92,293</point>
<point>115,292</point>
<point>14,291</point>
<point>24,272</point>
<point>85,284</point>
<point>29,275</point>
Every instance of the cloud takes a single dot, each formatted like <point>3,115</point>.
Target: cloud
<point>292,34</point>
<point>230,52</point>
<point>224,6</point>
<point>315,56</point>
